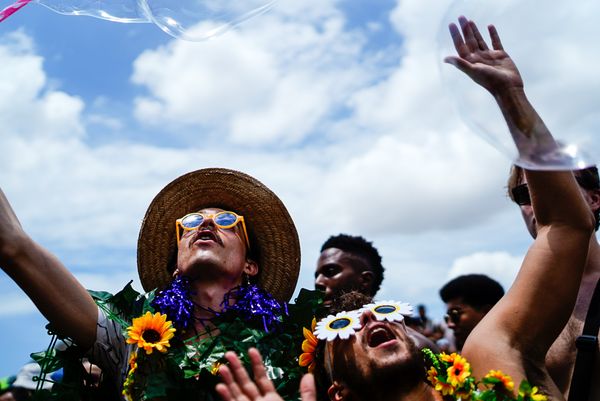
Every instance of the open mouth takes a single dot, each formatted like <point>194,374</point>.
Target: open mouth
<point>379,335</point>
<point>207,235</point>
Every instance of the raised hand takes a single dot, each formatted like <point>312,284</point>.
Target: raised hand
<point>237,385</point>
<point>491,68</point>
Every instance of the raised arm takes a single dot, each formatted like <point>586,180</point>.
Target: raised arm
<point>53,289</point>
<point>528,319</point>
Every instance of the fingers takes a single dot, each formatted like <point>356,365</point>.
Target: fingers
<point>228,390</point>
<point>308,390</point>
<point>468,34</point>
<point>238,384</point>
<point>459,44</point>
<point>480,41</point>
<point>265,385</point>
<point>496,43</point>
<point>459,63</point>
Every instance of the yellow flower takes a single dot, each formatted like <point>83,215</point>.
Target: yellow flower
<point>133,363</point>
<point>214,370</point>
<point>129,380</point>
<point>432,376</point>
<point>459,371</point>
<point>505,380</point>
<point>448,358</point>
<point>444,388</point>
<point>309,345</point>
<point>533,395</point>
<point>150,332</point>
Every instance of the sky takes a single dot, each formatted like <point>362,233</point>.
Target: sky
<point>343,108</point>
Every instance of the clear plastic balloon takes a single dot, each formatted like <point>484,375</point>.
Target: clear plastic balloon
<point>555,46</point>
<point>193,20</point>
<point>201,19</point>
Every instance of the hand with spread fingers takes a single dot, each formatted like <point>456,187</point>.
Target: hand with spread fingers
<point>237,385</point>
<point>491,68</point>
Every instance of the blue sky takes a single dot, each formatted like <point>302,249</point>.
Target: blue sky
<point>338,106</point>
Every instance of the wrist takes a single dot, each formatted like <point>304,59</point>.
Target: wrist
<point>509,94</point>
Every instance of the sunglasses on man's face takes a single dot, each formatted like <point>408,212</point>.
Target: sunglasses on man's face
<point>521,196</point>
<point>453,316</point>
<point>345,324</point>
<point>224,220</point>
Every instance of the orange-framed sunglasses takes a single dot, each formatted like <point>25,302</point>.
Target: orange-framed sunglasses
<point>225,219</point>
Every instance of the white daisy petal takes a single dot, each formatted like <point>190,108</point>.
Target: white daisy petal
<point>392,311</point>
<point>342,325</point>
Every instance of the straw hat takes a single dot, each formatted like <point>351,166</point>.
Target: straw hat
<point>272,233</point>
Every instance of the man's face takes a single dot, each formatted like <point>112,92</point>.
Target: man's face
<point>462,319</point>
<point>338,272</point>
<point>591,197</point>
<point>213,253</point>
<point>378,352</point>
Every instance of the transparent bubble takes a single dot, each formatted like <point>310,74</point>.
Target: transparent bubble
<point>126,11</point>
<point>201,19</point>
<point>555,46</point>
<point>193,20</point>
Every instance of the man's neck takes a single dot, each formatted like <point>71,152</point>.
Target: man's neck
<point>208,298</point>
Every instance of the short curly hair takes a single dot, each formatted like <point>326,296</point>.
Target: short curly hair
<point>362,248</point>
<point>476,290</point>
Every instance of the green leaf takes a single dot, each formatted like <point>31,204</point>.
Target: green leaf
<point>48,360</point>
<point>100,295</point>
<point>156,385</point>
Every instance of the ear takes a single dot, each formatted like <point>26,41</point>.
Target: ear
<point>594,199</point>
<point>336,392</point>
<point>251,267</point>
<point>366,279</point>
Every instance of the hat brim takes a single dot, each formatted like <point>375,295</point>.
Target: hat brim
<point>273,236</point>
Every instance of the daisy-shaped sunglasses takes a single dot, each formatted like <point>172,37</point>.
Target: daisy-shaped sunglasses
<point>224,220</point>
<point>345,324</point>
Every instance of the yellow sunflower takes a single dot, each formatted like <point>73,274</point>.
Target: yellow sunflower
<point>505,380</point>
<point>432,376</point>
<point>533,395</point>
<point>150,332</point>
<point>444,388</point>
<point>448,358</point>
<point>309,345</point>
<point>459,371</point>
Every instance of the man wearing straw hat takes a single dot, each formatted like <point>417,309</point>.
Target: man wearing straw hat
<point>205,239</point>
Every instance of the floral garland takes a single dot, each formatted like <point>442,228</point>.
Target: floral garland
<point>450,374</point>
<point>165,366</point>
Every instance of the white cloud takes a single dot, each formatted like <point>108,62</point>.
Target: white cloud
<point>27,108</point>
<point>500,265</point>
<point>274,82</point>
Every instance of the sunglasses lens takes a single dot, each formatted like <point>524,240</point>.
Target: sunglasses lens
<point>340,323</point>
<point>453,316</point>
<point>385,309</point>
<point>520,194</point>
<point>192,220</point>
<point>225,219</point>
